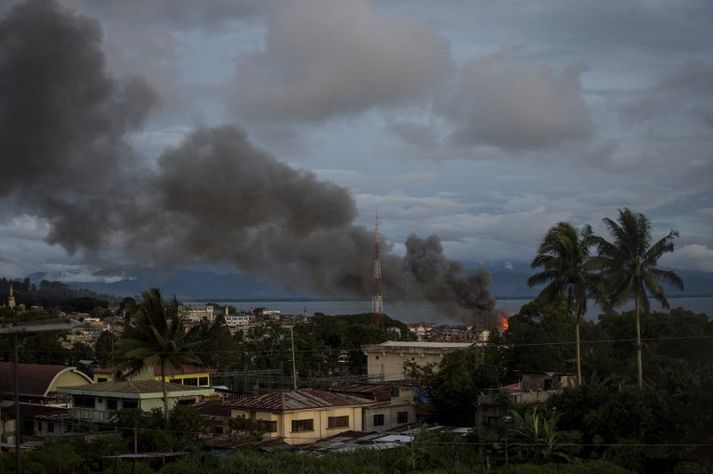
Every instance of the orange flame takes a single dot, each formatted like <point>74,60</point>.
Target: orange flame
<point>504,324</point>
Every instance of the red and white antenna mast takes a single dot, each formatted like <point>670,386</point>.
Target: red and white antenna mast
<point>377,297</point>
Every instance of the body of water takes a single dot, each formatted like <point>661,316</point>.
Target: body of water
<point>416,311</point>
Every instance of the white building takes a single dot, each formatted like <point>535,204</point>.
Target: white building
<point>385,361</point>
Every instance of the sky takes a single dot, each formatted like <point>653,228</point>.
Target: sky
<point>485,122</point>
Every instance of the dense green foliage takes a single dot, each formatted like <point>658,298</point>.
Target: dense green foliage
<point>567,272</point>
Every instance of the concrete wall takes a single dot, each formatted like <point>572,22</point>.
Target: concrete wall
<point>389,366</point>
<point>320,420</point>
<point>69,379</point>
<point>390,417</point>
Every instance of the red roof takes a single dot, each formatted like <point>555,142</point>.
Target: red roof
<point>35,379</point>
<point>303,399</point>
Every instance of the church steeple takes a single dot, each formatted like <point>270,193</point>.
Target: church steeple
<point>11,299</point>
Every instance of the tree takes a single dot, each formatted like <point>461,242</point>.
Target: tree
<point>567,271</point>
<point>628,268</point>
<point>157,336</point>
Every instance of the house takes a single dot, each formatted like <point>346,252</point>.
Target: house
<point>393,406</point>
<point>186,375</point>
<point>97,402</point>
<point>39,383</point>
<point>301,416</point>
<point>492,406</point>
<point>38,421</point>
<point>385,361</point>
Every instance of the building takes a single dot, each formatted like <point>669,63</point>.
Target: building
<point>98,402</point>
<point>301,416</point>
<point>394,405</point>
<point>195,314</point>
<point>186,375</point>
<point>11,299</point>
<point>385,361</point>
<point>39,383</point>
<point>238,321</point>
<point>493,405</point>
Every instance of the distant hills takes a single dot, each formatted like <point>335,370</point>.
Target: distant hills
<point>509,280</point>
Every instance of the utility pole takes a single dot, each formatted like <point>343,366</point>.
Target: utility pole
<point>294,369</point>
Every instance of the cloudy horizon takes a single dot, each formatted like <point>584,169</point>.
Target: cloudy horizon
<point>484,122</point>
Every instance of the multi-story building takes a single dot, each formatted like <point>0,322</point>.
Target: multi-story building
<point>186,375</point>
<point>98,403</point>
<point>385,361</point>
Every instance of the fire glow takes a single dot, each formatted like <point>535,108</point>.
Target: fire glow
<point>504,324</point>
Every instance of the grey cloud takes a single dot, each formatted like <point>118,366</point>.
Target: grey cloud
<point>326,58</point>
<point>212,198</point>
<point>683,90</point>
<point>516,105</point>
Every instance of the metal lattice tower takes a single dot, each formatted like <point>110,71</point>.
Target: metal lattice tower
<point>377,297</point>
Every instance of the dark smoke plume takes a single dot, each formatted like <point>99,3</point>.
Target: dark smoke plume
<point>215,197</point>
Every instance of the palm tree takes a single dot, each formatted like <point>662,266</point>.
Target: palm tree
<point>564,257</point>
<point>628,268</point>
<point>156,337</point>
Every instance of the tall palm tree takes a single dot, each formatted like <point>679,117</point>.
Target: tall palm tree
<point>156,337</point>
<point>628,268</point>
<point>567,271</point>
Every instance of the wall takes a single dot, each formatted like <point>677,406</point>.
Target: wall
<point>389,366</point>
<point>69,379</point>
<point>390,413</point>
<point>320,423</point>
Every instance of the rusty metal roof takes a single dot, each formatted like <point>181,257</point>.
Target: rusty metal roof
<point>302,399</point>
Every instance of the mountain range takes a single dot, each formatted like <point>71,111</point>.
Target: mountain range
<point>509,281</point>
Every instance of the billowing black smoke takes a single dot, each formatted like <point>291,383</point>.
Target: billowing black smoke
<point>215,197</point>
<point>465,298</point>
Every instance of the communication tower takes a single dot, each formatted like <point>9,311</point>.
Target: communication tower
<point>377,297</point>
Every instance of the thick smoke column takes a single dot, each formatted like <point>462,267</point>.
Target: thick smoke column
<point>62,122</point>
<point>214,197</point>
<point>464,298</point>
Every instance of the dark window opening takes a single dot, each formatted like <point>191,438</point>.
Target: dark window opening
<point>130,404</point>
<point>378,420</point>
<point>268,426</point>
<point>302,425</point>
<point>50,427</point>
<point>112,403</point>
<point>337,422</point>
<point>203,381</point>
<point>191,381</point>
<point>402,417</point>
<point>84,402</point>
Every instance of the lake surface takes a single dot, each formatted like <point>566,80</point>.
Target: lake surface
<point>416,311</point>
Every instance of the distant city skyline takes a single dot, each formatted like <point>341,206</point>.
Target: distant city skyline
<point>485,122</point>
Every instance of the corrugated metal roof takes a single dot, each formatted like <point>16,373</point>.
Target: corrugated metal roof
<point>132,386</point>
<point>302,399</point>
<point>361,388</point>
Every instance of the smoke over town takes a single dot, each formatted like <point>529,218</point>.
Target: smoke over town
<point>65,156</point>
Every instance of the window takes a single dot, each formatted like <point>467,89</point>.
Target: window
<point>302,425</point>
<point>203,381</point>
<point>402,417</point>
<point>101,379</point>
<point>378,420</point>
<point>187,401</point>
<point>112,403</point>
<point>50,427</point>
<point>377,357</point>
<point>271,426</point>
<point>178,381</point>
<point>84,402</point>
<point>130,404</point>
<point>395,392</point>
<point>191,381</point>
<point>337,422</point>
